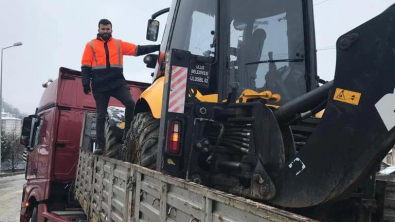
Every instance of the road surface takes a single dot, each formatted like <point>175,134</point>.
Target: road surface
<point>10,197</point>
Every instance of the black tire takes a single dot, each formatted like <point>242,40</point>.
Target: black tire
<point>113,141</point>
<point>34,215</point>
<point>141,144</point>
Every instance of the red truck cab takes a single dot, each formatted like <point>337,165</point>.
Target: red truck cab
<point>54,139</point>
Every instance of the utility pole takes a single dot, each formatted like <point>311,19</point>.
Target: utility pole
<point>1,91</point>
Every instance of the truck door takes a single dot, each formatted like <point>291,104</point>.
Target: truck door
<point>67,143</point>
<point>33,169</point>
<point>31,165</point>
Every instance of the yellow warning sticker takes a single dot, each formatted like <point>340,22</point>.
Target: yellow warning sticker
<point>347,96</point>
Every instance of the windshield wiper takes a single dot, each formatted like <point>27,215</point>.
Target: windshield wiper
<point>275,60</point>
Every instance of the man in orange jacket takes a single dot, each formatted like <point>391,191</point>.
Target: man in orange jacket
<point>102,67</point>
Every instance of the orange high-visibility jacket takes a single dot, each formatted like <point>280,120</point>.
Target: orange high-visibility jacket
<point>102,62</point>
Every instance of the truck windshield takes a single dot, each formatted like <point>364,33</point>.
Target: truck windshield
<point>266,46</point>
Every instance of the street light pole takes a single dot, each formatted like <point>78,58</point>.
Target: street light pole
<point>1,92</point>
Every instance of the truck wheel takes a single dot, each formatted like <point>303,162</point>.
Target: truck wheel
<point>141,144</point>
<point>34,215</point>
<point>113,141</point>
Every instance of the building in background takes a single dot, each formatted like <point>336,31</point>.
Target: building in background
<point>10,124</point>
<point>390,158</point>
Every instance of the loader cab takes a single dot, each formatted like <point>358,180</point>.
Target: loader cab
<point>230,47</point>
<point>255,44</point>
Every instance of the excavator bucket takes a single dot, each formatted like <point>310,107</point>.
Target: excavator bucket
<point>357,128</point>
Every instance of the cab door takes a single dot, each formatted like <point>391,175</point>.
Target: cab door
<point>67,143</point>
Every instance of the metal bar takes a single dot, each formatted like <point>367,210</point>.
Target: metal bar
<point>93,199</point>
<point>1,98</point>
<point>137,197</point>
<point>100,180</point>
<point>208,210</point>
<point>131,195</point>
<point>158,13</point>
<point>163,202</point>
<point>110,194</point>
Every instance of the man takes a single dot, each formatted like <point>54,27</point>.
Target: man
<point>102,62</point>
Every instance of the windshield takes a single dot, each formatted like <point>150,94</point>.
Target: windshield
<point>266,50</point>
<point>195,27</point>
<point>262,40</point>
<point>194,31</point>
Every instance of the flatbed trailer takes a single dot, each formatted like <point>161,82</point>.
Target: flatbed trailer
<point>113,190</point>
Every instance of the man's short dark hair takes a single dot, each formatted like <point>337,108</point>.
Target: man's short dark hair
<point>104,22</point>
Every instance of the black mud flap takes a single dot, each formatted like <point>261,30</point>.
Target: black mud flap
<point>357,129</point>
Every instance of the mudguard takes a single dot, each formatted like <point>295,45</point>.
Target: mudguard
<point>357,128</point>
<point>153,95</point>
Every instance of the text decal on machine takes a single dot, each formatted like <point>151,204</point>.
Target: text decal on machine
<point>199,74</point>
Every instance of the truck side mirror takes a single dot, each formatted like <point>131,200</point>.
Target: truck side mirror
<point>26,131</point>
<point>152,30</point>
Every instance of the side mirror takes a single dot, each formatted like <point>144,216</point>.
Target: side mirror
<point>26,131</point>
<point>150,60</point>
<point>152,30</point>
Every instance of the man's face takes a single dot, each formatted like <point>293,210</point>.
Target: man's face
<point>105,30</point>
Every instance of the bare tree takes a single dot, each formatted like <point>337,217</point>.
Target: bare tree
<point>14,157</point>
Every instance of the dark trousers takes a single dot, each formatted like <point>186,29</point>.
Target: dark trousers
<point>122,94</point>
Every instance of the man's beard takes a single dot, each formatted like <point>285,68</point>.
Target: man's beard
<point>105,36</point>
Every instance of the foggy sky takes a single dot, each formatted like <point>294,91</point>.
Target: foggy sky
<point>54,34</point>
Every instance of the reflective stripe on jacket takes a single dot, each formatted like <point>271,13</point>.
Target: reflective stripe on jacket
<point>103,62</point>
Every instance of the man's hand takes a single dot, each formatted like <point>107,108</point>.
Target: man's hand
<point>87,89</point>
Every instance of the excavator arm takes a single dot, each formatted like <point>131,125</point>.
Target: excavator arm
<point>357,128</point>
